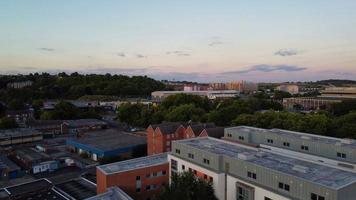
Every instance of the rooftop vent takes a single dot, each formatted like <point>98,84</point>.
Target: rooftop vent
<point>347,141</point>
<point>245,156</point>
<point>305,137</point>
<point>261,155</point>
<point>300,168</point>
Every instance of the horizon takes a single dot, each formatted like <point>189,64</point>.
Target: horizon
<point>217,42</point>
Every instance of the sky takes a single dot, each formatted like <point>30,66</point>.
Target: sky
<point>194,40</point>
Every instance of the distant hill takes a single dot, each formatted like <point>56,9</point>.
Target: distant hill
<point>336,82</point>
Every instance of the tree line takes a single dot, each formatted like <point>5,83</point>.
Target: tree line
<point>258,111</point>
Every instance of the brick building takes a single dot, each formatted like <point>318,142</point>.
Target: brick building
<point>141,178</point>
<point>160,137</point>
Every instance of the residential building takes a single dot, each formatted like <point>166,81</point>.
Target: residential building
<point>159,96</point>
<point>160,136</point>
<point>106,143</point>
<point>290,88</point>
<point>241,86</point>
<point>341,150</point>
<point>243,172</point>
<point>19,84</point>
<point>141,178</point>
<point>8,169</point>
<point>19,136</point>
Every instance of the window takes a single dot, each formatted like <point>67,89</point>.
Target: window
<point>190,155</point>
<point>267,198</point>
<point>154,174</point>
<point>148,175</point>
<point>183,167</point>
<point>138,178</point>
<point>241,138</point>
<point>341,155</point>
<point>286,144</point>
<point>206,161</point>
<point>174,164</point>
<point>229,135</point>
<point>168,143</point>
<point>251,175</point>
<point>148,187</point>
<point>283,186</point>
<point>178,151</point>
<point>316,197</point>
<point>195,172</point>
<point>138,189</point>
<point>211,179</point>
<point>164,172</point>
<point>242,193</point>
<point>270,141</point>
<point>305,148</point>
<point>205,176</point>
<point>190,170</point>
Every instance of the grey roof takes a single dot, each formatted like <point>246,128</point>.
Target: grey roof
<point>167,127</point>
<point>85,122</point>
<point>215,132</point>
<point>17,132</point>
<point>110,139</point>
<point>320,174</point>
<point>133,164</point>
<point>198,128</point>
<point>32,155</point>
<point>293,134</point>
<point>112,193</point>
<point>6,163</point>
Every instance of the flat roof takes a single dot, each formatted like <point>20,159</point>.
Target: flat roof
<point>112,193</point>
<point>6,163</point>
<point>109,139</point>
<point>16,132</point>
<point>293,134</point>
<point>133,164</point>
<point>197,92</point>
<point>320,174</point>
<point>78,188</point>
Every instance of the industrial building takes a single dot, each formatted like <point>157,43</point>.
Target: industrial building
<point>159,96</point>
<point>8,169</point>
<point>112,193</point>
<point>106,143</point>
<point>19,136</point>
<point>141,178</point>
<point>308,103</point>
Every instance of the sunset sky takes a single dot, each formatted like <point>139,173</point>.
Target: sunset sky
<point>197,40</point>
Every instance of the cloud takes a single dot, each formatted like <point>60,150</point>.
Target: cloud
<point>178,53</point>
<point>214,43</point>
<point>121,54</point>
<point>287,52</point>
<point>140,56</point>
<point>268,68</point>
<point>46,49</point>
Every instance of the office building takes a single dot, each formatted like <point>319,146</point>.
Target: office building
<point>159,96</point>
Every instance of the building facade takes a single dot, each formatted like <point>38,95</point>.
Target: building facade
<point>308,103</point>
<point>141,178</point>
<point>290,88</point>
<point>160,136</point>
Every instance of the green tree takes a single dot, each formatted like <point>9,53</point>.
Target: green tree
<point>7,123</point>
<point>185,112</point>
<point>188,187</point>
<point>134,114</point>
<point>184,99</point>
<point>343,108</point>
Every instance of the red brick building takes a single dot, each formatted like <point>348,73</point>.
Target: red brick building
<point>160,136</point>
<point>140,178</point>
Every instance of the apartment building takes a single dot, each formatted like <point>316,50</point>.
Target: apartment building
<point>243,172</point>
<point>160,136</point>
<point>141,178</point>
<point>290,88</point>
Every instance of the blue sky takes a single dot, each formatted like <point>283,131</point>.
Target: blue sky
<point>201,40</point>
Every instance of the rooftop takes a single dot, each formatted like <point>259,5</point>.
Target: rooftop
<point>320,174</point>
<point>77,188</point>
<point>133,164</point>
<point>292,134</point>
<point>109,139</point>
<point>16,132</point>
<point>85,122</point>
<point>113,193</point>
<point>6,163</point>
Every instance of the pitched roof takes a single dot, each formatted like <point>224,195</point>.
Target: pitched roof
<point>215,132</point>
<point>198,128</point>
